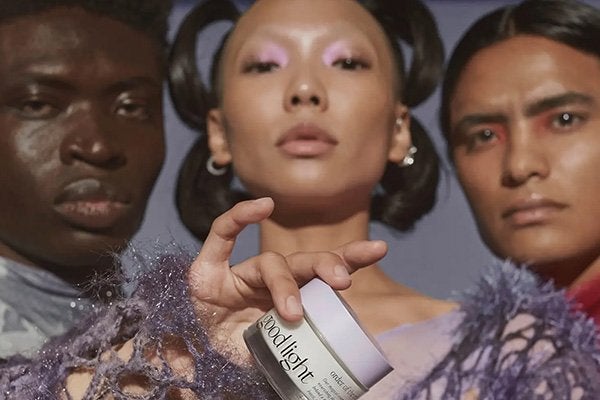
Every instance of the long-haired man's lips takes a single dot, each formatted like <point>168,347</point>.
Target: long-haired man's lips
<point>537,211</point>
<point>531,205</point>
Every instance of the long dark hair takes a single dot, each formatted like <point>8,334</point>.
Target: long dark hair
<point>406,193</point>
<point>568,22</point>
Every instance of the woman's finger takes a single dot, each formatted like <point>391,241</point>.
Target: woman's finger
<point>362,253</point>
<point>335,267</point>
<point>219,243</point>
<point>269,277</point>
<point>326,265</point>
<point>272,275</point>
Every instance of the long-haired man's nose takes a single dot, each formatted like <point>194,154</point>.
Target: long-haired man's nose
<point>519,171</point>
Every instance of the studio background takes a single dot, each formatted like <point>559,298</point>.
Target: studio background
<point>442,254</point>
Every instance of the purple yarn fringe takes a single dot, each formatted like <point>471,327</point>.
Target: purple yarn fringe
<point>499,363</point>
<point>159,308</point>
<point>483,357</point>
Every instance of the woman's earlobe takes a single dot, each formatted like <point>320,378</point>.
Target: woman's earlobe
<point>409,158</point>
<point>401,140</point>
<point>217,139</point>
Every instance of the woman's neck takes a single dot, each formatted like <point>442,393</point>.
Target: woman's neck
<point>286,237</point>
<point>312,232</point>
<point>323,233</point>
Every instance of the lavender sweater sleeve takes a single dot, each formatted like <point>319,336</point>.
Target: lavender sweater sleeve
<point>159,308</point>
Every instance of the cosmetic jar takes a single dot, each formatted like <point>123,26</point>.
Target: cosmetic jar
<point>326,355</point>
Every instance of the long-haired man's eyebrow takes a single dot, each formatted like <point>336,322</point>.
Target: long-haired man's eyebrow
<point>476,119</point>
<point>564,99</point>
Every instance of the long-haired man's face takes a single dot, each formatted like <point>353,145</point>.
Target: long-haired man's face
<point>525,120</point>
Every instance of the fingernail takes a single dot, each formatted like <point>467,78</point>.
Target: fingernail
<point>340,271</point>
<point>293,305</point>
<point>262,200</point>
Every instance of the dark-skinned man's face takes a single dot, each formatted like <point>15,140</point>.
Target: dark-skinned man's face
<point>81,137</point>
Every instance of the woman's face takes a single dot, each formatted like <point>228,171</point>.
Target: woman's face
<point>525,121</point>
<point>308,103</point>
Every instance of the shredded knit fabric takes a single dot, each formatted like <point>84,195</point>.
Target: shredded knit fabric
<point>520,340</point>
<point>159,310</point>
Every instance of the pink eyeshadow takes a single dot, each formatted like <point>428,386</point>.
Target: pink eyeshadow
<point>335,51</point>
<point>274,53</point>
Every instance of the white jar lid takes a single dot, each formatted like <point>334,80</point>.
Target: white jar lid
<point>338,326</point>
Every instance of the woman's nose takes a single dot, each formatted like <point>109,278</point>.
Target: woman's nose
<point>306,90</point>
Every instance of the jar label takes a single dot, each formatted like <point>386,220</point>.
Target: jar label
<point>307,360</point>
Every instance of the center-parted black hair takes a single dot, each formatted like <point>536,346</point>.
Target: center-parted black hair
<point>569,22</point>
<point>147,16</point>
<point>407,193</point>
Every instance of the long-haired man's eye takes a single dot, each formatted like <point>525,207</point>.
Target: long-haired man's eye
<point>566,120</point>
<point>481,139</point>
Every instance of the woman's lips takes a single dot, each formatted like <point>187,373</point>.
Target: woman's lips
<point>91,204</point>
<point>306,141</point>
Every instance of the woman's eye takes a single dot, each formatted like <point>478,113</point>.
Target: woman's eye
<point>260,67</point>
<point>350,64</point>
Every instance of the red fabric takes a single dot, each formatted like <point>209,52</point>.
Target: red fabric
<point>587,297</point>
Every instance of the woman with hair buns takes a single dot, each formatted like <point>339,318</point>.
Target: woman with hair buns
<point>309,103</point>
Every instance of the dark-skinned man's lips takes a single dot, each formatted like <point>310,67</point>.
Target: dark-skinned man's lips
<point>92,204</point>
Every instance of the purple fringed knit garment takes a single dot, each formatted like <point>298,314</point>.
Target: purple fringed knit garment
<point>159,308</point>
<point>520,339</point>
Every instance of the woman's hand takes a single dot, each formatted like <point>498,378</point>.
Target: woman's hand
<point>229,299</point>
